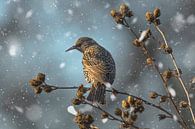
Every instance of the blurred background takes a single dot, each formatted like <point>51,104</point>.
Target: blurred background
<point>34,35</point>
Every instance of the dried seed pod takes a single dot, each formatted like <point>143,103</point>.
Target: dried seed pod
<point>137,43</point>
<point>76,101</point>
<point>138,102</point>
<point>48,89</point>
<point>123,9</point>
<point>130,100</point>
<point>134,117</point>
<point>37,90</point>
<point>125,114</point>
<point>167,74</point>
<point>183,104</point>
<point>140,109</point>
<point>125,104</point>
<point>118,112</point>
<point>113,13</point>
<point>129,14</point>
<point>163,99</point>
<point>118,19</point>
<point>41,77</point>
<point>162,46</point>
<point>168,50</point>
<point>149,16</point>
<point>157,22</point>
<point>153,95</point>
<point>156,12</point>
<point>149,61</point>
<point>35,82</point>
<point>89,119</point>
<point>79,94</point>
<point>162,116</point>
<point>104,115</point>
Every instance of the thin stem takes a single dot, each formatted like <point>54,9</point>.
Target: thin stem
<point>109,114</point>
<point>146,52</point>
<point>179,74</point>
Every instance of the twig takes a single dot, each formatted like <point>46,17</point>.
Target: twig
<point>109,114</point>
<point>146,52</point>
<point>178,73</point>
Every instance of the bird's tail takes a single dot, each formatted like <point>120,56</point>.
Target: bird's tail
<point>97,93</point>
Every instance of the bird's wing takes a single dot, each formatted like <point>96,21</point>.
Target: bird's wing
<point>100,64</point>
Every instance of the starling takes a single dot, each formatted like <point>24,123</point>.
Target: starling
<point>98,67</point>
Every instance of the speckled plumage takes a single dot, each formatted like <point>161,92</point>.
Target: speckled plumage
<point>98,67</point>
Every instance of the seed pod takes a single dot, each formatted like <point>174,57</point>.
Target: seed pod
<point>183,104</point>
<point>41,77</point>
<point>168,50</point>
<point>37,90</point>
<point>134,117</point>
<point>157,22</point>
<point>138,102</point>
<point>125,114</point>
<point>153,95</point>
<point>125,104</point>
<point>130,100</point>
<point>149,16</point>
<point>163,98</point>
<point>104,115</point>
<point>118,19</point>
<point>76,101</point>
<point>35,82</point>
<point>113,13</point>
<point>162,116</point>
<point>129,14</point>
<point>123,9</point>
<point>89,119</point>
<point>167,74</point>
<point>156,12</point>
<point>137,43</point>
<point>48,89</point>
<point>118,112</point>
<point>79,94</point>
<point>149,61</point>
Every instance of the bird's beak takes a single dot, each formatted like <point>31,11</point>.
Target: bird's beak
<point>71,48</point>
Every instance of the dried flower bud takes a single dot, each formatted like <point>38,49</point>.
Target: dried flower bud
<point>156,12</point>
<point>140,109</point>
<point>137,43</point>
<point>138,102</point>
<point>123,9</point>
<point>35,82</point>
<point>134,117</point>
<point>118,112</point>
<point>162,46</point>
<point>104,115</point>
<point>149,16</point>
<point>167,74</point>
<point>41,77</point>
<point>125,104</point>
<point>149,61</point>
<point>113,13</point>
<point>76,101</point>
<point>163,99</point>
<point>162,116</point>
<point>125,114</point>
<point>157,22</point>
<point>118,19</point>
<point>168,50</point>
<point>82,89</point>
<point>130,100</point>
<point>153,95</point>
<point>183,104</point>
<point>79,94</point>
<point>129,14</point>
<point>37,90</point>
<point>48,89</point>
<point>89,119</point>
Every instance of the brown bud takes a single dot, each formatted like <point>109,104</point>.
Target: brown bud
<point>153,95</point>
<point>125,104</point>
<point>157,22</point>
<point>149,61</point>
<point>134,117</point>
<point>79,94</point>
<point>35,82</point>
<point>163,99</point>
<point>48,89</point>
<point>123,9</point>
<point>41,77</point>
<point>76,101</point>
<point>129,14</point>
<point>137,43</point>
<point>37,90</point>
<point>125,114</point>
<point>167,74</point>
<point>104,115</point>
<point>113,13</point>
<point>168,50</point>
<point>162,46</point>
<point>162,116</point>
<point>149,16</point>
<point>89,119</point>
<point>130,100</point>
<point>183,104</point>
<point>118,19</point>
<point>156,12</point>
<point>118,112</point>
<point>138,102</point>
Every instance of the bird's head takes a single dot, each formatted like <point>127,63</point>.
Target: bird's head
<point>82,43</point>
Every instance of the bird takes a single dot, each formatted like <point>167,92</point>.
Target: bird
<point>98,67</point>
